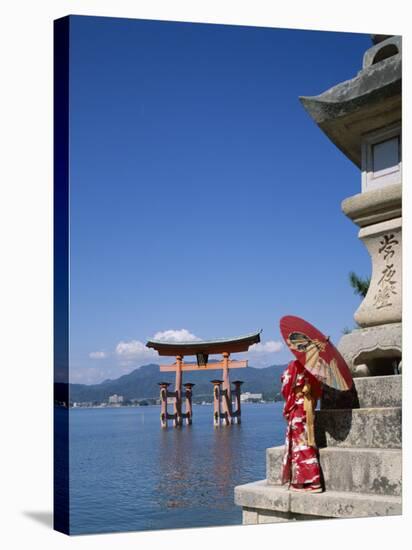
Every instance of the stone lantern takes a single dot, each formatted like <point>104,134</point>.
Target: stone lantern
<point>358,433</point>
<point>362,117</point>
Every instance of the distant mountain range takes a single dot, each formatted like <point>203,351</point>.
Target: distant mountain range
<point>142,383</point>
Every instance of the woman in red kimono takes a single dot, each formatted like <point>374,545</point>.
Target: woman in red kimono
<point>300,467</point>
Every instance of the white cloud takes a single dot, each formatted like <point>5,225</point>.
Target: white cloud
<point>130,354</point>
<point>271,346</point>
<point>262,354</point>
<point>134,350</point>
<point>181,335</point>
<point>97,355</point>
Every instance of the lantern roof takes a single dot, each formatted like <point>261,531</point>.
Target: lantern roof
<point>370,100</point>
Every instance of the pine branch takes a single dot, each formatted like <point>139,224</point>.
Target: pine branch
<point>360,285</point>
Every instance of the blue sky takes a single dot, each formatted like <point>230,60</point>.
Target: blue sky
<point>203,197</point>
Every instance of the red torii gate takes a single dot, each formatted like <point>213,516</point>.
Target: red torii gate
<point>221,388</point>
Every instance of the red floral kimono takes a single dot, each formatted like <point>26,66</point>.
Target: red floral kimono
<point>300,390</point>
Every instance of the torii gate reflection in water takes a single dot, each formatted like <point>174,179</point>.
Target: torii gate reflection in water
<point>222,395</point>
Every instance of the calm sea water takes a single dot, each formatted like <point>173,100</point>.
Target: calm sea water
<point>127,474</point>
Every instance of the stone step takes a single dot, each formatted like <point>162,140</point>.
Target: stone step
<point>379,391</point>
<point>370,391</point>
<point>263,499</point>
<point>374,471</point>
<point>368,427</point>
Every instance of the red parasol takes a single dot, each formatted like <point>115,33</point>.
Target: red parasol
<point>316,352</point>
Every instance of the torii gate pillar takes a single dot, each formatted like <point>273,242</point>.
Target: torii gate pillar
<point>178,420</point>
<point>227,398</point>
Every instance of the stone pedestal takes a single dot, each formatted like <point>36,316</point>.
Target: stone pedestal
<point>383,302</point>
<point>360,456</point>
<point>378,214</point>
<point>376,347</point>
<point>373,351</point>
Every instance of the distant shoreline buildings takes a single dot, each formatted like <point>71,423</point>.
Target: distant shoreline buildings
<point>248,397</point>
<point>116,400</point>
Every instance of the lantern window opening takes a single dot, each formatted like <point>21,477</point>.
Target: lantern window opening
<point>381,158</point>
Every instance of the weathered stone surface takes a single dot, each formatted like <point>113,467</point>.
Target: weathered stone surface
<point>369,427</point>
<point>269,516</point>
<point>336,399</point>
<point>260,495</point>
<point>254,516</point>
<point>373,54</point>
<point>338,504</point>
<point>374,346</point>
<point>374,471</point>
<point>369,101</point>
<point>370,391</point>
<point>274,456</point>
<point>328,504</point>
<point>273,517</point>
<point>375,206</point>
<point>379,391</point>
<point>249,516</point>
<point>383,301</point>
